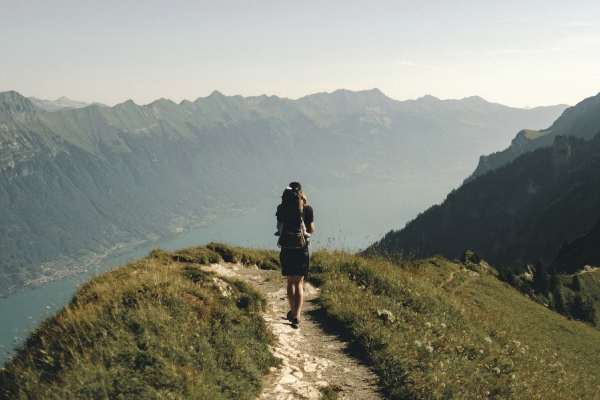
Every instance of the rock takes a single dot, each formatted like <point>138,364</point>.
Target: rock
<point>287,379</point>
<point>310,366</point>
<point>386,315</point>
<point>223,286</point>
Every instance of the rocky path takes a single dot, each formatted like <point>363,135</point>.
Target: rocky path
<point>311,357</point>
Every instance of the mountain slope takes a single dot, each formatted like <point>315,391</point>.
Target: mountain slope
<point>88,179</point>
<point>581,251</point>
<point>523,210</point>
<point>435,329</point>
<point>581,120</point>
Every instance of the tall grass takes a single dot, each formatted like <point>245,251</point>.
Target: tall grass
<point>154,328</point>
<point>475,337</point>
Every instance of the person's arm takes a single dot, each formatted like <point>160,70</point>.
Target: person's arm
<point>311,228</point>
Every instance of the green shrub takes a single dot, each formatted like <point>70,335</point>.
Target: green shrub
<point>264,259</point>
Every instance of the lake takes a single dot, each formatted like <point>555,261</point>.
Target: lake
<point>345,218</point>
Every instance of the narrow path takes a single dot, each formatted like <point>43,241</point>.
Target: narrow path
<point>449,279</point>
<point>311,358</point>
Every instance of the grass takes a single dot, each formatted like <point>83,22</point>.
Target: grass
<point>330,392</point>
<point>264,259</point>
<point>471,336</point>
<point>154,328</point>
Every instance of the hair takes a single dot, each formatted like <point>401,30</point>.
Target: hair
<point>297,187</point>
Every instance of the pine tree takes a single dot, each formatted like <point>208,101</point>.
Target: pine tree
<point>591,312</point>
<point>554,280</point>
<point>520,267</point>
<point>559,303</point>
<point>576,283</point>
<point>578,307</point>
<point>511,279</point>
<point>540,278</point>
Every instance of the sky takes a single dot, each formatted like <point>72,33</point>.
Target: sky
<point>519,53</point>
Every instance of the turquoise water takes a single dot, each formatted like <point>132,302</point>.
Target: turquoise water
<point>347,218</point>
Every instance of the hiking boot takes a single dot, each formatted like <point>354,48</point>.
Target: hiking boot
<point>295,323</point>
<point>289,316</point>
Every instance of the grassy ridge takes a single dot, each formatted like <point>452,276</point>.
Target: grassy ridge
<point>154,328</point>
<point>437,329</point>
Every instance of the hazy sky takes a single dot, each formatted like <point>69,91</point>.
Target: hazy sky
<point>512,52</point>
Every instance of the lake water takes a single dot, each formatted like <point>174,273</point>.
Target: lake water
<point>346,218</point>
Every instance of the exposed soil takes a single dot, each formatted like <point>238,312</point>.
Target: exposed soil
<point>312,356</point>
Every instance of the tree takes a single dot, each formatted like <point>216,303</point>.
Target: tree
<point>541,280</point>
<point>583,309</point>
<point>520,267</point>
<point>559,303</point>
<point>576,283</point>
<point>554,282</point>
<point>511,279</point>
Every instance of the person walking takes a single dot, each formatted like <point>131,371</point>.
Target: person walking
<point>295,260</point>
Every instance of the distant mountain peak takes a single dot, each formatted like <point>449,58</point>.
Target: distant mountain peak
<point>429,98</point>
<point>476,98</point>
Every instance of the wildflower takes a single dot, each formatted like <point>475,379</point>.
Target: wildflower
<point>488,339</point>
<point>429,349</point>
<point>481,351</point>
<point>443,325</point>
<point>428,324</point>
<point>418,343</point>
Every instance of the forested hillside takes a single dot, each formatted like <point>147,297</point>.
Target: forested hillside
<point>523,211</point>
<point>582,121</point>
<point>87,179</point>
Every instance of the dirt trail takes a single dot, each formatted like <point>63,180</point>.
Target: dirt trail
<point>310,356</point>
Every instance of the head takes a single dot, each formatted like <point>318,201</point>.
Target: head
<point>296,187</point>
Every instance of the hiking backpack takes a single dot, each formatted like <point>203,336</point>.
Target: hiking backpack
<point>289,213</point>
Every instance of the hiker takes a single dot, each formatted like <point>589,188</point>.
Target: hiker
<point>295,225</point>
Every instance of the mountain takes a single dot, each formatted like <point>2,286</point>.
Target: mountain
<point>62,103</point>
<point>89,179</point>
<point>581,120</point>
<point>522,211</point>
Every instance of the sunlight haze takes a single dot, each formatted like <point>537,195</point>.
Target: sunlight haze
<point>514,53</point>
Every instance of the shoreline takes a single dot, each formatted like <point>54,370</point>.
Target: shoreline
<point>68,267</point>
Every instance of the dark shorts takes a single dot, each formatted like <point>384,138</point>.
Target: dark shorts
<point>294,262</point>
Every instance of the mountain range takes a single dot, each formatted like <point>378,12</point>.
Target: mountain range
<point>84,180</point>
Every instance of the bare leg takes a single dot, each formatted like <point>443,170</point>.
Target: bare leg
<point>291,293</point>
<point>298,293</point>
